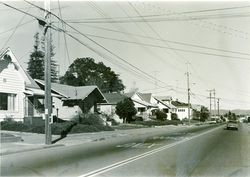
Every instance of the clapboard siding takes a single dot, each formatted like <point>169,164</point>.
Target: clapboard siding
<point>11,81</point>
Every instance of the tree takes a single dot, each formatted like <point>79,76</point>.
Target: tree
<point>84,71</point>
<point>36,61</point>
<point>125,109</point>
<point>160,115</point>
<point>204,114</point>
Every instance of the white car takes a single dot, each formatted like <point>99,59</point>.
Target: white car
<point>232,124</point>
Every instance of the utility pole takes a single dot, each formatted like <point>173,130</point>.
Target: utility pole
<point>188,92</point>
<point>210,101</point>
<point>214,103</point>
<point>218,106</point>
<point>47,73</point>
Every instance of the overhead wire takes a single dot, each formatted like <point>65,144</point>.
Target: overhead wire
<point>170,41</point>
<point>14,30</point>
<point>64,36</point>
<point>199,23</point>
<point>157,56</point>
<point>170,48</point>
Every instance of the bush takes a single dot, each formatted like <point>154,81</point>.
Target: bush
<point>62,128</point>
<point>125,109</point>
<point>158,123</point>
<point>138,119</point>
<point>160,115</point>
<point>80,128</point>
<point>14,126</point>
<point>174,116</point>
<point>91,119</point>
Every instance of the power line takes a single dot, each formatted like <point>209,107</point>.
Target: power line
<point>13,32</point>
<point>63,26</point>
<point>171,48</point>
<point>162,19</point>
<point>150,51</point>
<point>22,24</point>
<point>170,41</point>
<point>207,22</point>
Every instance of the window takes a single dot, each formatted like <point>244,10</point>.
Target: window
<point>7,101</point>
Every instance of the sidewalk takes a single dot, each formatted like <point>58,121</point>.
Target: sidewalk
<point>34,141</point>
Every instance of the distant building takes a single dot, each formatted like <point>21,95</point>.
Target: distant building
<point>109,107</point>
<point>143,107</point>
<point>182,109</point>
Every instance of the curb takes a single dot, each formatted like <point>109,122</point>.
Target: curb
<point>30,149</point>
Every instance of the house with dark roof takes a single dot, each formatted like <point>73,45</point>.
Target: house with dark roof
<point>182,109</point>
<point>20,96</point>
<point>142,104</point>
<point>109,107</point>
<point>74,100</point>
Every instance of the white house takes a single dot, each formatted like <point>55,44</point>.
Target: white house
<point>143,107</point>
<point>74,99</point>
<point>109,107</point>
<point>20,96</point>
<point>182,109</point>
<point>164,104</point>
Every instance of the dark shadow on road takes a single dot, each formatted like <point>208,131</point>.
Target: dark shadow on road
<point>64,133</point>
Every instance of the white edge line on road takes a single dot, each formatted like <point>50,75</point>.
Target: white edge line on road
<point>137,157</point>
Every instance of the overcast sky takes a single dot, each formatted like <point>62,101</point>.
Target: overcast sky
<point>144,35</point>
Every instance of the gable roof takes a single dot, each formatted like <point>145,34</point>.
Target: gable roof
<point>73,92</point>
<point>29,82</point>
<point>163,98</point>
<point>146,96</point>
<point>114,98</point>
<point>179,104</point>
<point>130,94</point>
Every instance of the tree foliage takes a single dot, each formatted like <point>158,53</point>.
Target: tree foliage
<point>36,61</point>
<point>160,115</point>
<point>204,114</point>
<point>174,116</point>
<point>125,109</point>
<point>84,71</point>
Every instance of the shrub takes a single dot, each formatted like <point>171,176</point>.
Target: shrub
<point>125,109</point>
<point>158,123</point>
<point>174,116</point>
<point>160,115</point>
<point>138,118</point>
<point>62,128</point>
<point>91,119</point>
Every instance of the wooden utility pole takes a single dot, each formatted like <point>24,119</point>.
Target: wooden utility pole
<point>47,73</point>
<point>218,106</point>
<point>210,101</point>
<point>188,92</point>
<point>214,103</point>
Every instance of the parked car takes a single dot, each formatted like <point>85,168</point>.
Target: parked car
<point>212,121</point>
<point>232,124</point>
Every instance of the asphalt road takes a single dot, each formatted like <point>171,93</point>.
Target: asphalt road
<point>230,157</point>
<point>160,153</point>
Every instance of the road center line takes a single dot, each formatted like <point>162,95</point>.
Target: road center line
<point>137,157</point>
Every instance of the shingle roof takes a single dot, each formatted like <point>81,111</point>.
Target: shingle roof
<point>114,98</point>
<point>130,94</point>
<point>72,92</point>
<point>179,104</point>
<point>146,96</point>
<point>163,98</point>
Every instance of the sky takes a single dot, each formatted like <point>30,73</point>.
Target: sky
<point>142,41</point>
